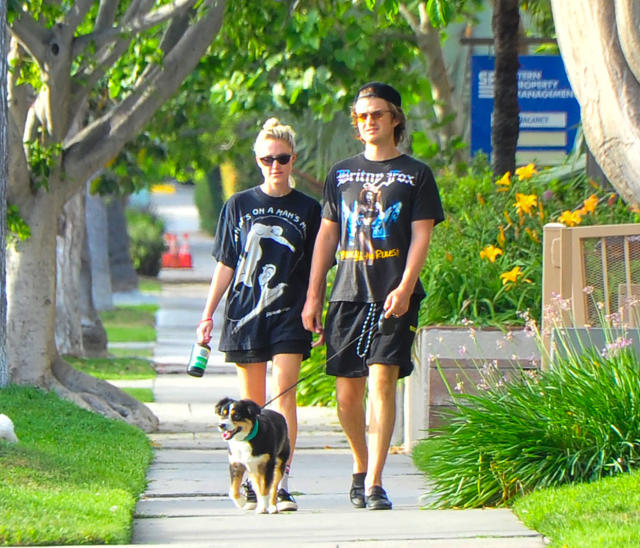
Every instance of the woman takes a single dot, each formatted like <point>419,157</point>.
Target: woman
<point>263,246</point>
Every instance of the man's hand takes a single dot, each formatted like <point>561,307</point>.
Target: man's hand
<point>312,319</point>
<point>397,302</point>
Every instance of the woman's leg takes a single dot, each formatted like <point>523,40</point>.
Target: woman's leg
<point>252,377</point>
<point>285,372</point>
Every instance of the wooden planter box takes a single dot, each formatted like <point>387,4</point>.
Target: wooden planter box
<point>460,354</point>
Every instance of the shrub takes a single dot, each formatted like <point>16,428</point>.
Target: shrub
<point>577,421</point>
<point>146,241</point>
<point>208,200</point>
<point>485,259</point>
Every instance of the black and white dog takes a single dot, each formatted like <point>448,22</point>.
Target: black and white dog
<point>258,443</point>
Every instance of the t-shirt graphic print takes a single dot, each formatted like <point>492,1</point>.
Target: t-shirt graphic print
<point>375,203</point>
<point>268,242</point>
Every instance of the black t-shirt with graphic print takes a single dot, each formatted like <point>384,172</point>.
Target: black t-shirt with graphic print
<point>268,241</point>
<point>375,203</point>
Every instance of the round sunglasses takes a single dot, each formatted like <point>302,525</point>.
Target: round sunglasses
<point>282,159</point>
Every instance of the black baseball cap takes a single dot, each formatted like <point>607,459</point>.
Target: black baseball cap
<point>383,91</point>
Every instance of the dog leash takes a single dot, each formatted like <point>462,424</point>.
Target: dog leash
<point>365,332</point>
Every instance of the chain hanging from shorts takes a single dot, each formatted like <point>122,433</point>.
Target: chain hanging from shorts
<point>368,327</point>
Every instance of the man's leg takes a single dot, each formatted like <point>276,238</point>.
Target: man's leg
<point>382,402</point>
<point>351,412</point>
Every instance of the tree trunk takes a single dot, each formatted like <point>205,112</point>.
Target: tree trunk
<point>71,238</point>
<point>98,244</point>
<point>428,41</point>
<point>123,275</point>
<point>4,154</point>
<point>600,46</point>
<point>506,123</point>
<point>33,357</point>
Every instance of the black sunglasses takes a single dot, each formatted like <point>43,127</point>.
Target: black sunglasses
<point>282,159</point>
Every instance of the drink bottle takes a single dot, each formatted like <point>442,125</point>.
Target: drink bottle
<point>198,359</point>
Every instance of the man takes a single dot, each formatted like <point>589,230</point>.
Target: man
<point>376,274</point>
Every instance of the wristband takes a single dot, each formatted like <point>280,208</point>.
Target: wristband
<point>207,320</point>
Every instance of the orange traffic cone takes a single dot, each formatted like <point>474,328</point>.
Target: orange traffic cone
<point>170,257</point>
<point>184,253</point>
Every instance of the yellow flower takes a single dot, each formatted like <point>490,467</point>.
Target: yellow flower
<point>570,218</point>
<point>448,256</point>
<point>511,276</point>
<point>501,236</point>
<point>480,199</point>
<point>504,182</point>
<point>509,221</point>
<point>590,204</point>
<point>525,202</point>
<point>526,172</point>
<point>533,234</point>
<point>490,253</point>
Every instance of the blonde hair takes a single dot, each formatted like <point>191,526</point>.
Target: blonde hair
<point>274,129</point>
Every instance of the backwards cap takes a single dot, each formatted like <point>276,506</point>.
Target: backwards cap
<point>383,91</point>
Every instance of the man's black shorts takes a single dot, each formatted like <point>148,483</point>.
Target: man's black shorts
<point>354,342</point>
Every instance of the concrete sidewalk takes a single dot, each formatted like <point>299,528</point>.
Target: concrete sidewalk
<point>185,503</point>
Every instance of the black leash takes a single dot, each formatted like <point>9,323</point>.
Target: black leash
<point>384,325</point>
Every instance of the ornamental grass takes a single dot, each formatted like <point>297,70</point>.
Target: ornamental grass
<point>576,421</point>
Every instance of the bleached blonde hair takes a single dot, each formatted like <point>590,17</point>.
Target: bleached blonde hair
<point>274,129</point>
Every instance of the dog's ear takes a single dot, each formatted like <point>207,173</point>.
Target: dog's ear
<point>252,408</point>
<point>223,404</point>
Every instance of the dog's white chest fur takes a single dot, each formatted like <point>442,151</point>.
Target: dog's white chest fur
<point>6,429</point>
<point>240,451</point>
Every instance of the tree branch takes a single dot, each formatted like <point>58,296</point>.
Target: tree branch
<point>31,36</point>
<point>90,149</point>
<point>106,14</point>
<point>77,13</point>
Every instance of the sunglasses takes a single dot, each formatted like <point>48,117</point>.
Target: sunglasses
<point>375,115</point>
<point>282,159</point>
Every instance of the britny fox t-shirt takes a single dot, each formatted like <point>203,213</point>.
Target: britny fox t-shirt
<point>375,203</point>
<point>268,241</point>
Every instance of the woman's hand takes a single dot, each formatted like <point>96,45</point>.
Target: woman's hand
<point>203,331</point>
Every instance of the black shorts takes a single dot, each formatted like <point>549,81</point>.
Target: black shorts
<point>265,354</point>
<point>354,342</point>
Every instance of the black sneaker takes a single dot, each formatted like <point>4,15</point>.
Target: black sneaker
<point>251,501</point>
<point>286,503</point>
<point>356,494</point>
<point>377,499</point>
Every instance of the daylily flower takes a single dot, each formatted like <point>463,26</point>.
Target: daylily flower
<point>570,218</point>
<point>501,237</point>
<point>490,253</point>
<point>525,202</point>
<point>504,182</point>
<point>526,172</point>
<point>590,204</point>
<point>533,234</point>
<point>512,275</point>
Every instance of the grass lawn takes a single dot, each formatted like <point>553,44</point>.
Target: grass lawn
<point>145,395</point>
<point>114,368</point>
<point>75,476</point>
<point>603,514</point>
<point>130,323</point>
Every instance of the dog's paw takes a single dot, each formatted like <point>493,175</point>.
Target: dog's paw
<point>260,509</point>
<point>239,502</point>
<point>248,505</point>
<point>273,509</point>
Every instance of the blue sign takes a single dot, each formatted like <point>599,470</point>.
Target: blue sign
<point>549,111</point>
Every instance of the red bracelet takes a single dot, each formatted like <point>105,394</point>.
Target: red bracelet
<point>207,320</point>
